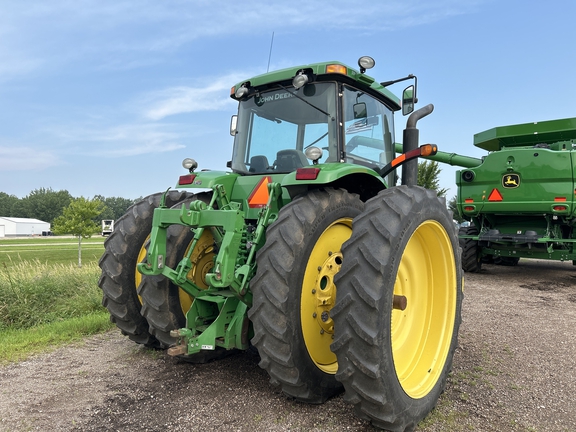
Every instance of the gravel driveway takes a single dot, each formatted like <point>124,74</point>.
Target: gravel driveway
<point>514,371</point>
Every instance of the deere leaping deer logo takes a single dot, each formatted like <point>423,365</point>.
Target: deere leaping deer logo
<point>510,180</point>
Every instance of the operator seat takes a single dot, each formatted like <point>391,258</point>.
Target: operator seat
<point>259,164</point>
<point>290,160</point>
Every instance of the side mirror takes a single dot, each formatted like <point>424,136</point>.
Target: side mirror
<point>408,100</point>
<point>234,125</point>
<point>360,111</point>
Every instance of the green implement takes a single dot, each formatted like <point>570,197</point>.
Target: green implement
<point>520,198</point>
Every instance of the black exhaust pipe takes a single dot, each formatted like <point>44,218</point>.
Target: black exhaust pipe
<point>411,138</point>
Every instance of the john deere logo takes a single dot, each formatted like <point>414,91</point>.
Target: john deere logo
<point>511,180</point>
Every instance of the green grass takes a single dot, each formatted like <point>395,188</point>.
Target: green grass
<point>33,293</point>
<point>45,298</point>
<point>52,250</point>
<point>18,344</point>
<point>50,239</point>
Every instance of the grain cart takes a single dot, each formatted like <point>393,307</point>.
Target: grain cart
<point>520,197</point>
<point>306,206</point>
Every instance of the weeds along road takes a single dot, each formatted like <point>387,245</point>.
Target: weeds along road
<point>514,371</point>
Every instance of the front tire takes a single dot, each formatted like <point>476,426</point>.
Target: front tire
<point>124,249</point>
<point>294,292</point>
<point>398,309</point>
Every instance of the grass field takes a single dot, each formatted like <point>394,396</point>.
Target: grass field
<point>46,300</point>
<point>50,250</point>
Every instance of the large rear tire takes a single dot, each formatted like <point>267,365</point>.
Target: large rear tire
<point>124,249</point>
<point>471,256</point>
<point>398,309</point>
<point>294,292</point>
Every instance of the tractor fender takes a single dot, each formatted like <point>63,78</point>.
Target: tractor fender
<point>357,179</point>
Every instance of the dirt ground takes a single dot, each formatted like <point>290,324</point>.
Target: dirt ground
<point>514,371</point>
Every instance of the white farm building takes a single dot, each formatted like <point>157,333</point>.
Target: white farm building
<point>20,227</point>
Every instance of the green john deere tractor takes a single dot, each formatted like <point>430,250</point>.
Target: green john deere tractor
<point>520,197</point>
<point>304,249</point>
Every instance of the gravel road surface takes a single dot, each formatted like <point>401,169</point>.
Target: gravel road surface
<point>513,371</point>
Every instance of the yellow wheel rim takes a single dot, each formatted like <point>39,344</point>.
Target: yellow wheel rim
<point>202,259</point>
<point>142,253</point>
<point>421,334</point>
<point>319,294</point>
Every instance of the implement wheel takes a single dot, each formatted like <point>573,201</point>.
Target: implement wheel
<point>398,309</point>
<point>124,249</point>
<point>294,292</point>
<point>471,257</point>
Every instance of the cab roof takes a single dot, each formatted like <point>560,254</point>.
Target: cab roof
<point>320,70</point>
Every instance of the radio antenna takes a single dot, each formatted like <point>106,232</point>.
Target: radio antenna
<point>270,54</point>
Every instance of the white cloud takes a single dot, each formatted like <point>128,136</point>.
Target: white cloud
<point>140,126</point>
<point>201,19</point>
<point>184,99</point>
<point>132,140</point>
<point>127,34</point>
<point>17,158</point>
<point>118,141</point>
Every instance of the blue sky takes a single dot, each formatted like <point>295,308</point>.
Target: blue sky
<point>107,97</point>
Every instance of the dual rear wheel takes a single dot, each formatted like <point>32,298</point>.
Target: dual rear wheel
<point>374,309</point>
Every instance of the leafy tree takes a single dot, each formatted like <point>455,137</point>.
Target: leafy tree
<point>6,204</point>
<point>115,207</point>
<point>452,206</point>
<point>78,219</point>
<point>119,205</point>
<point>428,172</point>
<point>43,204</point>
<point>19,209</point>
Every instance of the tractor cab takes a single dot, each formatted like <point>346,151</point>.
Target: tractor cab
<point>309,115</point>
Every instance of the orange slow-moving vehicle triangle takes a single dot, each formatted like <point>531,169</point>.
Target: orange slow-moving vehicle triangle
<point>259,196</point>
<point>495,195</point>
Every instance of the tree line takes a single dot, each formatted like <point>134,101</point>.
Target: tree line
<point>46,205</point>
